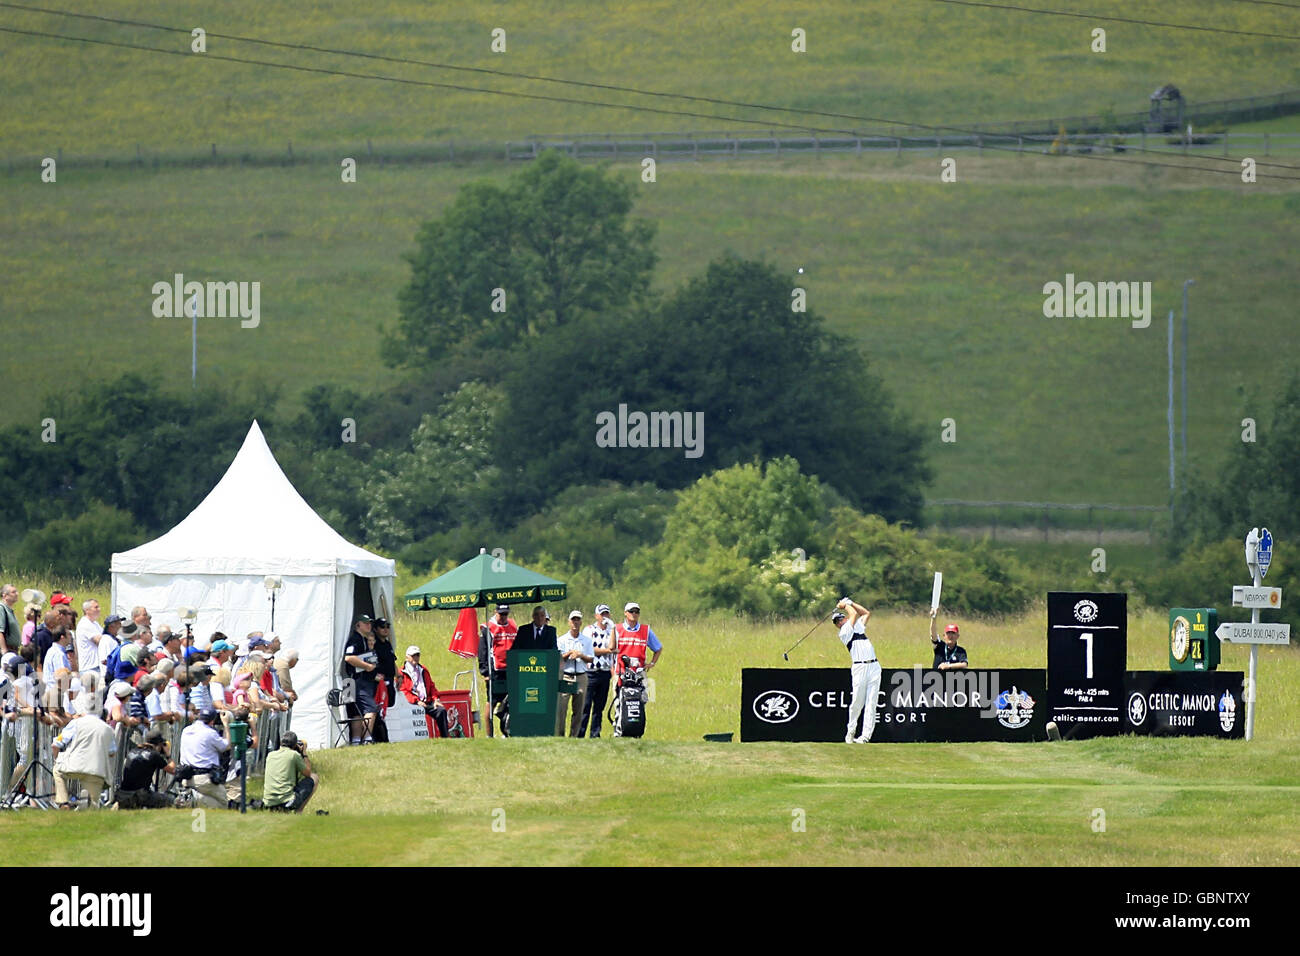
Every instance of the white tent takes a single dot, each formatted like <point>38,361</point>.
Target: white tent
<point>251,525</point>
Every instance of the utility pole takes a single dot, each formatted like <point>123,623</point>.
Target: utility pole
<point>1185,285</point>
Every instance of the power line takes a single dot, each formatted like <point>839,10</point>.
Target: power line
<point>1270,3</point>
<point>1111,19</point>
<point>717,101</point>
<point>573,101</point>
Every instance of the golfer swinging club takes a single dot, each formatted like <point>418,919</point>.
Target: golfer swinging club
<point>852,620</point>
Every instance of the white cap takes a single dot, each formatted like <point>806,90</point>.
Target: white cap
<point>573,614</point>
<point>631,606</point>
<point>602,609</point>
<point>412,650</point>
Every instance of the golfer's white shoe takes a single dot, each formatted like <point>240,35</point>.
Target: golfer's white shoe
<point>848,738</point>
<point>862,740</point>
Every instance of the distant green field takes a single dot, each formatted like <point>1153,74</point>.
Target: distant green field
<point>915,61</point>
<point>672,799</point>
<point>940,285</point>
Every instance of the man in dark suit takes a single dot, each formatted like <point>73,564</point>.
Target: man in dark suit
<point>537,636</point>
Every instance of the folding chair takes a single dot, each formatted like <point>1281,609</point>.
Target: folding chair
<point>337,702</point>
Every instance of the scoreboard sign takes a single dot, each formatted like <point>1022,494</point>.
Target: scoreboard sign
<point>1087,654</point>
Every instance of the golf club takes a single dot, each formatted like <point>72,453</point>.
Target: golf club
<point>786,655</point>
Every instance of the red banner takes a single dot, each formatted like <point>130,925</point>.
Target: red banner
<point>465,641</point>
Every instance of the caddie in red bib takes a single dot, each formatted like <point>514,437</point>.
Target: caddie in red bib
<point>634,639</point>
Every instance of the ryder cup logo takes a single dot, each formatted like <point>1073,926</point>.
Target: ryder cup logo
<point>1137,710</point>
<point>1015,708</point>
<point>775,707</point>
<point>1227,711</point>
<point>1085,612</point>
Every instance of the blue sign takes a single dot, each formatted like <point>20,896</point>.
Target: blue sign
<point>1265,553</point>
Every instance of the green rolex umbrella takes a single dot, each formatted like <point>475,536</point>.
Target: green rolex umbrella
<point>485,581</point>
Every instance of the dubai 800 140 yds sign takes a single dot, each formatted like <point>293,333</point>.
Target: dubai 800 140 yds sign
<point>1087,652</point>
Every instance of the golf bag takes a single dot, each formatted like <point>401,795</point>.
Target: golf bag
<point>627,707</point>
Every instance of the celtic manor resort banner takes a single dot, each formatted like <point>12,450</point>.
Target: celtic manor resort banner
<point>812,704</point>
<point>917,705</point>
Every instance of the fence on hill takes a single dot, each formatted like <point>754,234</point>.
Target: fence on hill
<point>1112,132</point>
<point>1046,521</point>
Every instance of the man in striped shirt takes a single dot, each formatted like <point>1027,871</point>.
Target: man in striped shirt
<point>600,634</point>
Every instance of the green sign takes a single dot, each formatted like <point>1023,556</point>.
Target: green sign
<point>1192,643</point>
<point>533,684</point>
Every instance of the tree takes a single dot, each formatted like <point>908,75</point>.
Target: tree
<point>557,241</point>
<point>767,381</point>
<point>1257,485</point>
<point>445,479</point>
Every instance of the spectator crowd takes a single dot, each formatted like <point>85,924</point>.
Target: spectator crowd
<point>115,697</point>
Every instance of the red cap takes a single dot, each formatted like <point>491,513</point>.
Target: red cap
<point>950,629</point>
<point>60,598</point>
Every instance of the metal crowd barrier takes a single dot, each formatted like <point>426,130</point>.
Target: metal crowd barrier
<point>15,740</point>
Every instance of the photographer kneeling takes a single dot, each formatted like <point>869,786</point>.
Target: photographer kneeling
<point>136,791</point>
<point>289,781</point>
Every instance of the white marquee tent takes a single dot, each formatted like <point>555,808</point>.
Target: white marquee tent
<point>254,524</point>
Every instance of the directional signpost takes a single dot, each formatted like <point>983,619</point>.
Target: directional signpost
<point>1259,555</point>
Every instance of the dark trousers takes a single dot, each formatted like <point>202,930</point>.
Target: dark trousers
<point>439,715</point>
<point>594,706</point>
<point>496,696</point>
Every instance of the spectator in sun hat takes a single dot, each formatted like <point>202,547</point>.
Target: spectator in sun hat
<point>118,694</point>
<point>948,654</point>
<point>418,688</point>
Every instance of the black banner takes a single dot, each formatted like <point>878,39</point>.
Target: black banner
<point>1087,653</point>
<point>1184,704</point>
<point>812,704</point>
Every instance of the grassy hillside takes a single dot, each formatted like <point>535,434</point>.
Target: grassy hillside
<point>940,284</point>
<point>917,61</point>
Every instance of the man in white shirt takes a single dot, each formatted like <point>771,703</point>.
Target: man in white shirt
<point>56,657</point>
<point>201,748</point>
<point>852,620</point>
<point>575,655</point>
<point>89,632</point>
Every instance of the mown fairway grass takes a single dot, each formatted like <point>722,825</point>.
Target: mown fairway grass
<point>674,799</point>
<point>940,285</point>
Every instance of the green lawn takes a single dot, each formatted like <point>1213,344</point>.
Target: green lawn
<point>602,802</point>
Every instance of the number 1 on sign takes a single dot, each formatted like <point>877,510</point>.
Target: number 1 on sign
<point>1088,638</point>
